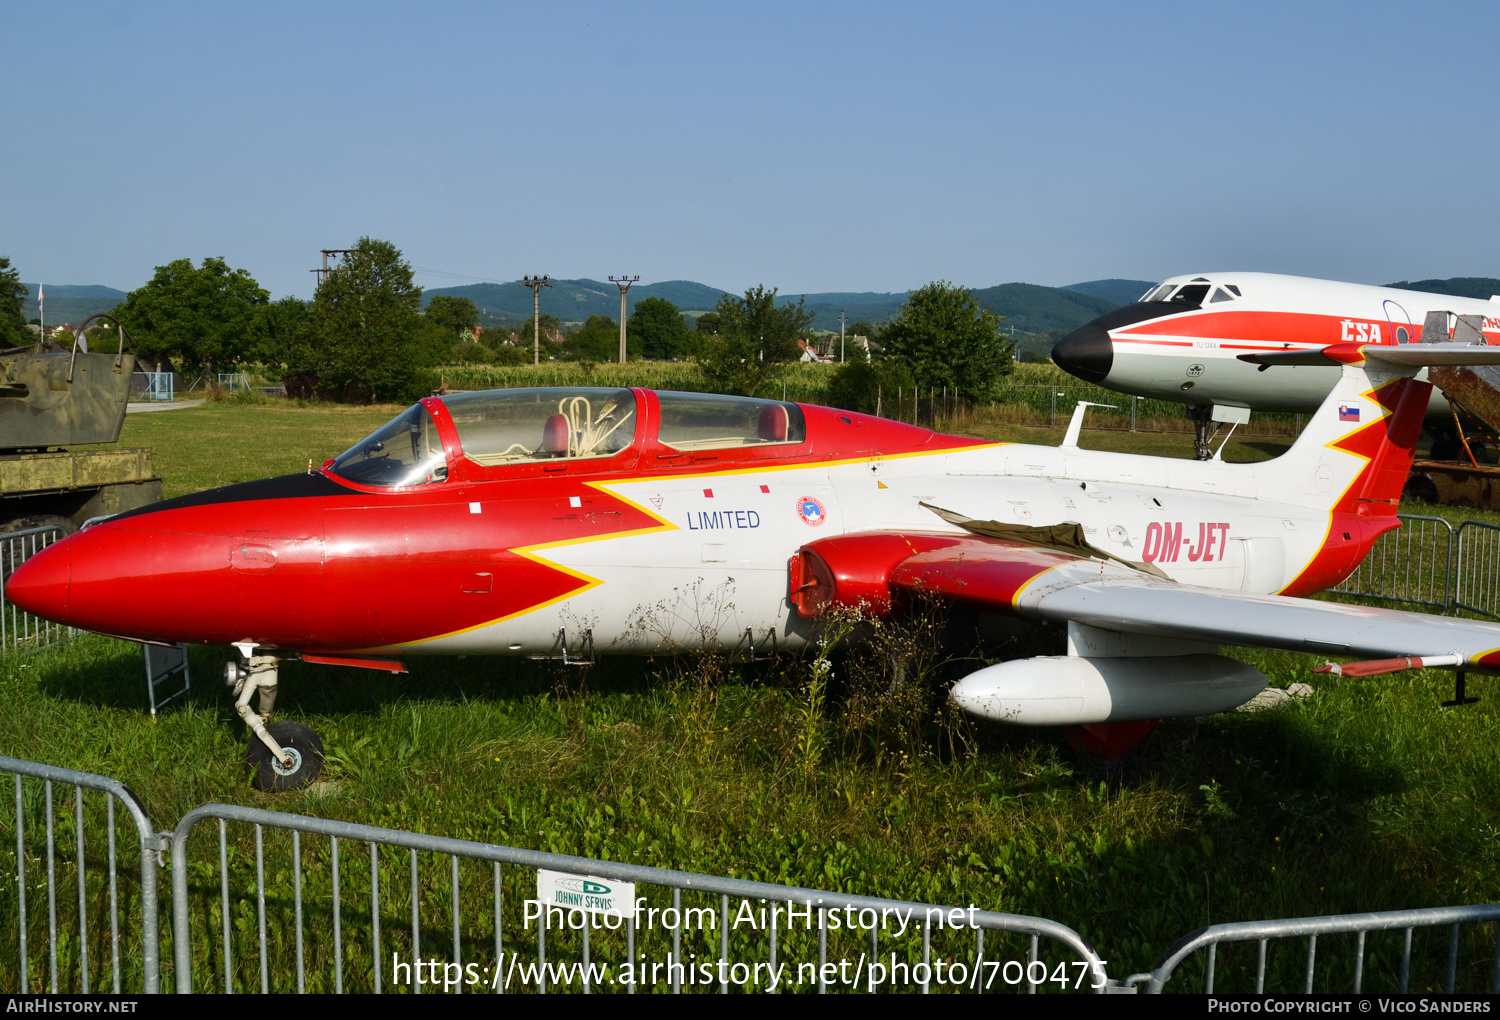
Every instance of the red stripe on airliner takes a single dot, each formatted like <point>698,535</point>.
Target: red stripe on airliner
<point>1271,327</point>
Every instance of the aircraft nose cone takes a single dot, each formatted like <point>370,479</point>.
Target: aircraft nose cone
<point>40,585</point>
<point>1087,352</point>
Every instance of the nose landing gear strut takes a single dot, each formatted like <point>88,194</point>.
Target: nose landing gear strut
<point>285,755</point>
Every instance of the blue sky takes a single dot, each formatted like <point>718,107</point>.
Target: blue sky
<point>812,147</point>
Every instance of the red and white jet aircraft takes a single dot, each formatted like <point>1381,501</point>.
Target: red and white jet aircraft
<point>564,521</point>
<point>1182,340</point>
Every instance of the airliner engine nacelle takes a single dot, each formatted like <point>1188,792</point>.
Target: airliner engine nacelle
<point>1072,690</point>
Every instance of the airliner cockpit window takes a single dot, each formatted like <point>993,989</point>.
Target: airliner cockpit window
<point>404,451</point>
<point>1192,294</point>
<point>1233,289</point>
<point>710,421</point>
<point>1219,295</point>
<point>1158,293</point>
<point>521,425</point>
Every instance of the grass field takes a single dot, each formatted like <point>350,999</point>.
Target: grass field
<point>1366,796</point>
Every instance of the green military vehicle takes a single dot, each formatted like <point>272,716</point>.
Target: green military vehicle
<point>53,400</point>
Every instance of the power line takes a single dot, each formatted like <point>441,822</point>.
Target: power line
<point>428,271</point>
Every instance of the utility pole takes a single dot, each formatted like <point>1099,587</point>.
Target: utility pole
<point>623,283</point>
<point>335,252</point>
<point>536,283</point>
<point>841,336</point>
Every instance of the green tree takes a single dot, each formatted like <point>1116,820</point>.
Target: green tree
<point>13,332</point>
<point>755,335</point>
<point>510,354</point>
<point>454,314</point>
<point>708,323</point>
<point>943,338</point>
<point>367,320</point>
<point>551,327</point>
<point>598,340</point>
<point>283,337</point>
<point>197,317</point>
<point>870,387</point>
<point>660,329</point>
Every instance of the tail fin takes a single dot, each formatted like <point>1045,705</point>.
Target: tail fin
<point>1357,450</point>
<point>1353,458</point>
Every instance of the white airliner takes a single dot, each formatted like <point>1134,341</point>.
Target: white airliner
<point>1182,339</point>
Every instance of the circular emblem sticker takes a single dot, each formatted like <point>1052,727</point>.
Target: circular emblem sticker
<point>810,510</point>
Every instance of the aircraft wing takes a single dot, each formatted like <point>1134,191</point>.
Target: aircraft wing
<point>1052,584</point>
<point>1422,355</point>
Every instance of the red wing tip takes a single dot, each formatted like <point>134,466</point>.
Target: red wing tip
<point>389,665</point>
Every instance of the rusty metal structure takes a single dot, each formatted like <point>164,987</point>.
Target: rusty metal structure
<point>1467,472</point>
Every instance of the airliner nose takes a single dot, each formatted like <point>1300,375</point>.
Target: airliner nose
<point>1087,352</point>
<point>40,585</point>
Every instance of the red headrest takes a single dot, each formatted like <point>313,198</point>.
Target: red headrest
<point>773,424</point>
<point>555,437</point>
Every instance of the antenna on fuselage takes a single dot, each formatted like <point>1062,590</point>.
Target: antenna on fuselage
<point>1076,425</point>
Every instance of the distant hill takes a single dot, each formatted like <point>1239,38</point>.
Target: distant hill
<point>1121,292</point>
<point>1029,308</point>
<point>858,306</point>
<point>1481,287</point>
<point>576,300</point>
<point>71,303</point>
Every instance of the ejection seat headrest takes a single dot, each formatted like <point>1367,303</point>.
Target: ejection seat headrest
<point>773,424</point>
<point>555,437</point>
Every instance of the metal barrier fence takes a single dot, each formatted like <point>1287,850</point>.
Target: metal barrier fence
<point>19,629</point>
<point>441,937</point>
<point>1411,564</point>
<point>1477,586</point>
<point>76,952</point>
<point>297,913</point>
<point>1310,928</point>
<point>154,386</point>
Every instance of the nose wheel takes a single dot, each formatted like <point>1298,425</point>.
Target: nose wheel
<point>285,755</point>
<point>303,762</point>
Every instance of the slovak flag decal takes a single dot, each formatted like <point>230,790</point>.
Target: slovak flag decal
<point>1348,412</point>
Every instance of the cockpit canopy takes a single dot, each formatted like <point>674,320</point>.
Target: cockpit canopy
<point>511,426</point>
<point>1192,294</point>
<point>517,426</point>
<point>404,451</point>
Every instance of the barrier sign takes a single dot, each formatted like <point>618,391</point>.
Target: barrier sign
<point>585,892</point>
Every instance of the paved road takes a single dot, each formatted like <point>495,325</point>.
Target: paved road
<point>175,405</point>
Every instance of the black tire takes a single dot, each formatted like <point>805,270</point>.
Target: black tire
<point>294,737</point>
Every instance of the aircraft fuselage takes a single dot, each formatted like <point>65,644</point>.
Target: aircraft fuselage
<point>1181,342</point>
